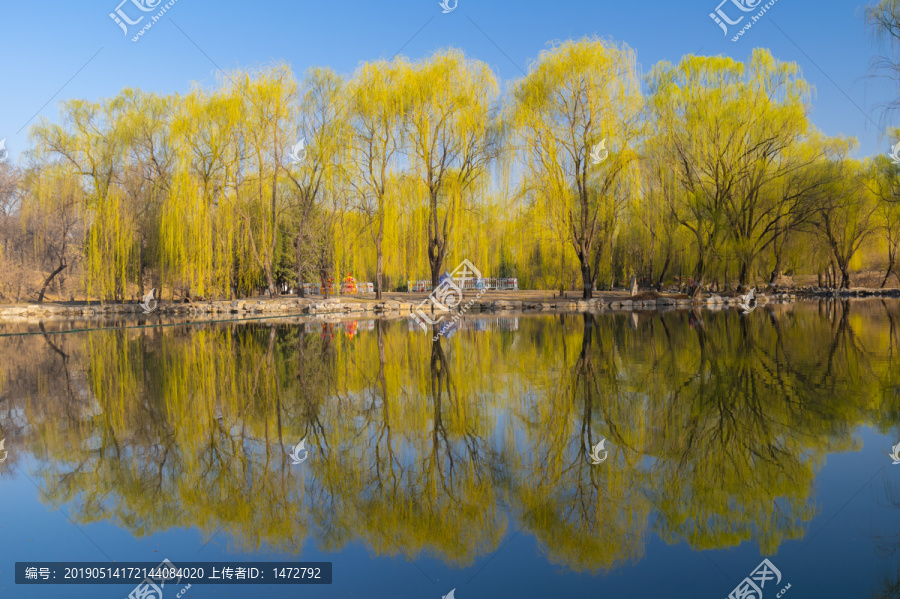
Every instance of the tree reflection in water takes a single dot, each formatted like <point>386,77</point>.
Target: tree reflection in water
<point>716,424</point>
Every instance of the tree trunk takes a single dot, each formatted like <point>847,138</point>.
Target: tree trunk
<point>892,253</point>
<point>744,275</point>
<point>780,239</point>
<point>700,273</point>
<point>562,275</point>
<point>301,292</point>
<point>273,244</point>
<point>436,261</point>
<point>586,277</point>
<point>698,287</point>
<point>437,240</point>
<point>270,281</point>
<point>845,277</point>
<point>141,269</point>
<point>665,270</point>
<point>48,280</point>
<point>776,270</point>
<point>379,265</point>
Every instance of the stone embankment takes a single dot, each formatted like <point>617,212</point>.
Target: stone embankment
<point>392,307</point>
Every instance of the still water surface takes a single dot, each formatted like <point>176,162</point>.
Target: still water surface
<point>465,463</point>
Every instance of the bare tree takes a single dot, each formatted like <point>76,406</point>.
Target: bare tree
<point>883,19</point>
<point>11,235</point>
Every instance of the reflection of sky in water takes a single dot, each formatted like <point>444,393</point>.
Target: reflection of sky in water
<point>839,562</point>
<point>843,551</point>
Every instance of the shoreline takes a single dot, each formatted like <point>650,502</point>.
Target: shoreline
<point>404,304</point>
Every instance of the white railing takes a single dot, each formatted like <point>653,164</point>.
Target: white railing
<point>509,284</point>
<point>338,289</point>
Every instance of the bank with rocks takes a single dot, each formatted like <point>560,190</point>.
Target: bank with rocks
<point>352,306</point>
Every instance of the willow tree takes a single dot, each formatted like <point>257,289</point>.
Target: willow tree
<point>450,135</point>
<point>93,140</point>
<point>313,173</point>
<point>659,187</point>
<point>580,99</point>
<point>149,168</point>
<point>889,230</point>
<point>264,133</point>
<point>51,216</point>
<point>197,228</point>
<point>883,177</point>
<point>848,216</point>
<point>885,174</point>
<point>733,133</point>
<point>374,114</point>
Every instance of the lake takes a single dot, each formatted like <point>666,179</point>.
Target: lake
<point>466,463</point>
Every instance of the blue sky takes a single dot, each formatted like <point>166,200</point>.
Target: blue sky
<point>55,50</point>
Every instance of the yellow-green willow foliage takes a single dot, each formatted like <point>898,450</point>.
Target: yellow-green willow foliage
<point>737,139</point>
<point>323,231</point>
<point>198,222</point>
<point>221,226</point>
<point>51,216</point>
<point>93,141</point>
<point>718,174</point>
<point>263,135</point>
<point>374,113</point>
<point>451,137</point>
<point>404,255</point>
<point>848,214</point>
<point>581,99</point>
